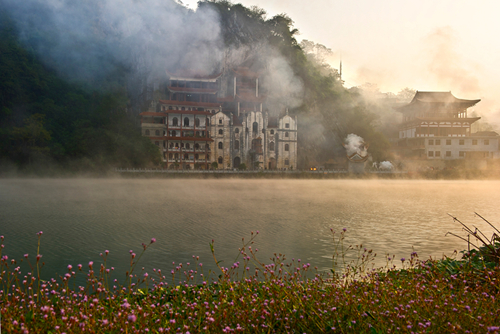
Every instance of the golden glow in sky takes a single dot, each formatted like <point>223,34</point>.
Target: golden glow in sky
<point>425,45</point>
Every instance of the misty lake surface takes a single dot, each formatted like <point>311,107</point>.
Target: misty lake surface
<point>82,217</point>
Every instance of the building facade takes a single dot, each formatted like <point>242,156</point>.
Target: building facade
<point>221,122</point>
<point>436,127</point>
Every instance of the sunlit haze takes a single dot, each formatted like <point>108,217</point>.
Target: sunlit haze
<point>424,45</point>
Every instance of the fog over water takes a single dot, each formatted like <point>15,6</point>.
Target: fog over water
<point>82,217</point>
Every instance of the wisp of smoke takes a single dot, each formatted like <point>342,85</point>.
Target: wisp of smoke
<point>355,144</point>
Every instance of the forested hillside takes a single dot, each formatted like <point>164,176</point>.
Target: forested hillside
<point>75,77</point>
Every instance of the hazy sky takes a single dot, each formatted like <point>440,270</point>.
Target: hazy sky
<point>425,45</point>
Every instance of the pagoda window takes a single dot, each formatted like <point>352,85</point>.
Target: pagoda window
<point>146,132</point>
<point>255,127</point>
<point>236,144</point>
<point>220,160</point>
<point>287,147</point>
<point>271,146</point>
<point>197,122</point>
<point>220,145</point>
<point>236,130</point>
<point>182,84</point>
<point>221,132</point>
<point>175,121</point>
<point>173,83</point>
<point>186,121</point>
<point>157,133</point>
<point>286,134</point>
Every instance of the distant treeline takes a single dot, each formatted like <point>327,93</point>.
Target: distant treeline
<point>49,121</point>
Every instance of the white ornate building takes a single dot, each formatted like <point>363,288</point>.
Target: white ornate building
<point>201,126</point>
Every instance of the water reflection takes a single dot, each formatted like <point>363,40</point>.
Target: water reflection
<point>83,217</point>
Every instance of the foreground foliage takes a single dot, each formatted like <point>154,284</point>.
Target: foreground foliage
<point>253,297</point>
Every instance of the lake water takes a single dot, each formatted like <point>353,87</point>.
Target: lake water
<point>82,217</point>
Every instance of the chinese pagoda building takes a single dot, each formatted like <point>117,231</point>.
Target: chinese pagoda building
<point>436,126</point>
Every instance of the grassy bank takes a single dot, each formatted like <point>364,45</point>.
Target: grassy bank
<point>416,296</point>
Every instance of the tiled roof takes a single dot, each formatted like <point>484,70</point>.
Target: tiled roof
<point>192,90</point>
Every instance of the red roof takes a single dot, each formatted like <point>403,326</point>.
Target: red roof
<point>245,72</point>
<point>192,74</point>
<point>192,90</point>
<point>189,103</point>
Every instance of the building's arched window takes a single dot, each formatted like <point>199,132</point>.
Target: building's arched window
<point>186,121</point>
<point>236,130</point>
<point>170,108</point>
<point>286,134</point>
<point>197,133</point>
<point>188,146</point>
<point>272,132</point>
<point>220,145</point>
<point>255,127</point>
<point>176,145</point>
<point>183,108</point>
<point>271,146</point>
<point>287,125</point>
<point>220,120</point>
<point>176,156</point>
<point>170,156</point>
<point>171,145</point>
<point>157,132</point>
<point>221,132</point>
<point>236,144</point>
<point>197,146</point>
<point>197,122</point>
<point>175,121</point>
<point>219,160</point>
<point>287,147</point>
<point>287,162</point>
<point>147,132</point>
<point>186,157</point>
<point>174,133</point>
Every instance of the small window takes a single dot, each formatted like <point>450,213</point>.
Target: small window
<point>438,141</point>
<point>271,146</point>
<point>170,156</point>
<point>157,133</point>
<point>236,144</point>
<point>196,156</point>
<point>255,127</point>
<point>474,141</point>
<point>236,130</point>
<point>219,160</point>
<point>188,146</point>
<point>461,154</point>
<point>174,133</point>
<point>287,125</point>
<point>220,120</point>
<point>197,146</point>
<point>197,122</point>
<point>461,142</point>
<point>169,107</point>
<point>448,153</point>
<point>183,108</point>
<point>486,142</point>
<point>175,121</point>
<point>186,156</point>
<point>221,132</point>
<point>220,145</point>
<point>430,153</point>
<point>448,142</point>
<point>287,162</point>
<point>176,156</point>
<point>147,132</point>
<point>437,153</point>
<point>186,121</point>
<point>431,141</point>
<point>287,147</point>
<point>286,134</point>
<point>272,132</point>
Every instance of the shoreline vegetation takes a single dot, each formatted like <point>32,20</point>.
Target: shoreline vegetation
<point>458,294</point>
